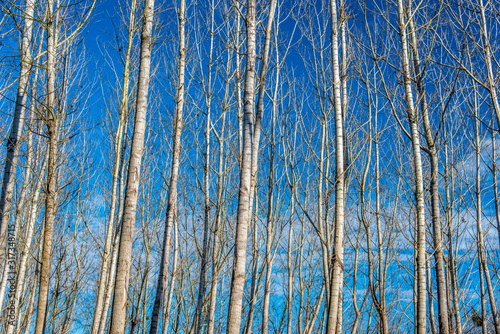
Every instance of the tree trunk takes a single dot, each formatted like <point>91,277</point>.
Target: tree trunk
<point>10,272</point>
<point>434,187</point>
<point>106,259</point>
<point>488,62</point>
<point>243,211</point>
<point>432,316</point>
<point>483,261</point>
<point>174,173</point>
<point>168,306</point>
<point>421,308</point>
<point>50,196</point>
<point>337,261</point>
<point>451,256</point>
<point>25,252</point>
<point>269,216</point>
<point>384,323</point>
<point>494,168</point>
<point>255,142</point>
<point>218,214</point>
<point>197,323</point>
<point>13,142</point>
<point>119,309</point>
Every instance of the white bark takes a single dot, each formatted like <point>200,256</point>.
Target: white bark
<point>13,142</point>
<point>337,262</point>
<point>106,259</point>
<point>244,210</point>
<point>420,307</point>
<point>119,309</point>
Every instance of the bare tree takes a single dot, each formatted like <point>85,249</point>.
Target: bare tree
<point>337,261</point>
<point>14,141</point>
<point>244,194</point>
<point>174,174</point>
<point>412,115</point>
<point>119,308</point>
<point>106,260</point>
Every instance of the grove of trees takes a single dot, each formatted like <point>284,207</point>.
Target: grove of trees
<point>239,166</point>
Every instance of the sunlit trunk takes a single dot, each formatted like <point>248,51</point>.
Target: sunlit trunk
<point>119,308</point>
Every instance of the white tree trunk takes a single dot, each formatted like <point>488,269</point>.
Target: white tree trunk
<point>13,142</point>
<point>337,261</point>
<point>106,259</point>
<point>244,211</point>
<point>434,187</point>
<point>420,307</point>
<point>119,309</point>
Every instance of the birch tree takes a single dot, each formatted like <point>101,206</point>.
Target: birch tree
<point>244,192</point>
<point>337,261</point>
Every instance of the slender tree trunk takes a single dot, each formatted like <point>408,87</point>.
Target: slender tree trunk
<point>255,142</point>
<point>432,316</point>
<point>269,217</point>
<point>494,168</point>
<point>378,301</point>
<point>384,323</point>
<point>13,243</point>
<point>116,243</point>
<point>482,296</point>
<point>289,267</point>
<point>218,214</point>
<point>50,196</point>
<point>174,173</point>
<point>483,261</point>
<point>255,276</point>
<point>244,211</point>
<point>29,312</point>
<point>239,101</point>
<point>420,307</point>
<point>257,130</point>
<point>119,309</point>
<point>343,81</point>
<point>25,252</point>
<point>168,306</point>
<point>491,80</point>
<point>14,141</point>
<point>451,252</point>
<point>337,262</point>
<point>434,187</point>
<point>106,259</point>
<point>197,323</point>
<point>109,286</point>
